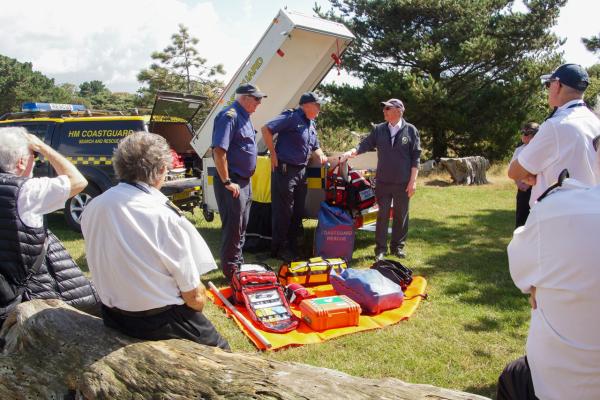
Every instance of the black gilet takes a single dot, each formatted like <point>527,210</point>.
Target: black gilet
<point>20,245</point>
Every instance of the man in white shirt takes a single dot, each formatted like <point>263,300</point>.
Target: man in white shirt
<point>564,140</point>
<point>554,258</point>
<point>24,201</point>
<point>145,257</point>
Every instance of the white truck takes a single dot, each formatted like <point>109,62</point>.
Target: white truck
<point>292,57</point>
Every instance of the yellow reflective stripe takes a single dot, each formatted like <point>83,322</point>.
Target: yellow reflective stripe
<point>315,183</point>
<point>93,160</point>
<point>209,179</point>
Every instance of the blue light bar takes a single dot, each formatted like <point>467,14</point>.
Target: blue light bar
<point>38,107</point>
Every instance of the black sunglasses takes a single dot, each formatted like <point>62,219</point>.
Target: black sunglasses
<point>549,82</point>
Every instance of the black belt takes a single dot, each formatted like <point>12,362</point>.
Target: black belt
<point>145,313</point>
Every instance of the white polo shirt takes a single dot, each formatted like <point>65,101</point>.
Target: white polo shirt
<point>558,252</point>
<point>563,141</point>
<point>140,252</point>
<point>40,196</point>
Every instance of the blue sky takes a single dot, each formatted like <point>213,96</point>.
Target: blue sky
<point>64,41</point>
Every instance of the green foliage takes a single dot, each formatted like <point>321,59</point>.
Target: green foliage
<point>180,68</point>
<point>97,96</point>
<point>19,83</point>
<point>592,94</point>
<point>467,71</point>
<point>592,43</point>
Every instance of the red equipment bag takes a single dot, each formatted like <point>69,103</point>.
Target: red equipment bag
<point>336,186</point>
<point>360,194</point>
<point>256,286</point>
<point>348,189</point>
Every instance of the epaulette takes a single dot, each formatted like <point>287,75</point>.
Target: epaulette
<point>564,174</point>
<point>173,207</point>
<point>231,113</point>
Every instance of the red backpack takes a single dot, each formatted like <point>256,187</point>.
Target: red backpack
<point>360,194</point>
<point>336,186</point>
<point>256,286</point>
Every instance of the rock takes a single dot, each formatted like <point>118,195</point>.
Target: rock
<point>53,351</point>
<point>467,170</point>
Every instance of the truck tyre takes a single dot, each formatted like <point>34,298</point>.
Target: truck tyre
<point>75,205</point>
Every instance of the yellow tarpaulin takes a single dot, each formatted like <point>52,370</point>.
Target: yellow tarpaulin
<point>305,335</point>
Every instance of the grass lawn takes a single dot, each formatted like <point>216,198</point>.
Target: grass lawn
<point>474,322</point>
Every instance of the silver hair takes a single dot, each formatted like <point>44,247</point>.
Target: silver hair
<point>141,156</point>
<point>13,147</point>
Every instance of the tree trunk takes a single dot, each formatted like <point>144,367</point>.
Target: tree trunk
<point>467,170</point>
<point>54,351</point>
<point>439,147</point>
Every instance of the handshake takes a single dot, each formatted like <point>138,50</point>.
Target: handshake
<point>348,154</point>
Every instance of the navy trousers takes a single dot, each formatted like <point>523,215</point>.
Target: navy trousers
<point>234,213</point>
<point>288,194</point>
<point>515,382</point>
<point>385,193</point>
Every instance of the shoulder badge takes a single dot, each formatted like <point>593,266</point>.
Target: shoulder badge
<point>231,113</point>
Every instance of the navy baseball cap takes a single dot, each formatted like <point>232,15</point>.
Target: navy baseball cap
<point>251,90</point>
<point>393,103</point>
<point>310,97</point>
<point>572,75</point>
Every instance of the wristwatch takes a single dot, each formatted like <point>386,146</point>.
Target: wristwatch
<point>227,182</point>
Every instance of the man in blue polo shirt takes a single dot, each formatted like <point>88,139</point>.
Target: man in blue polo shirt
<point>234,153</point>
<point>296,141</point>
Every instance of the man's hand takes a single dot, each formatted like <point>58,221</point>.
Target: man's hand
<point>522,186</point>
<point>529,180</point>
<point>411,188</point>
<point>347,155</point>
<point>323,159</point>
<point>532,298</point>
<point>35,144</point>
<point>234,188</point>
<point>274,161</point>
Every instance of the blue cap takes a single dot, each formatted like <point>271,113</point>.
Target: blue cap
<point>251,90</point>
<point>393,103</point>
<point>572,75</point>
<point>310,97</point>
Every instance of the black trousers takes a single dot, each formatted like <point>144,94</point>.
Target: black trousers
<point>178,322</point>
<point>522,211</point>
<point>515,382</point>
<point>385,194</point>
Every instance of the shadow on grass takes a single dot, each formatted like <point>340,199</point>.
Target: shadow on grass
<point>470,254</point>
<point>438,183</point>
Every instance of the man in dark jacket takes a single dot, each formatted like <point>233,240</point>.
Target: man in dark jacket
<point>28,252</point>
<point>398,152</point>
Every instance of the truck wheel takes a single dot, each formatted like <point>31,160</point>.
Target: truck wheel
<point>209,216</point>
<point>75,205</point>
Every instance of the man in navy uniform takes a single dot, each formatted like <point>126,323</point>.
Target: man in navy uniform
<point>296,141</point>
<point>398,153</point>
<point>234,153</point>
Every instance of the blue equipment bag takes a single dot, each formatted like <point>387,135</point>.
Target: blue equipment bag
<point>369,288</point>
<point>334,236</point>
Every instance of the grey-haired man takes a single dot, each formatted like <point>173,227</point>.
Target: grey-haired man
<point>398,154</point>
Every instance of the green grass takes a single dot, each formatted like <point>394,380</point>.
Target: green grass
<point>474,322</point>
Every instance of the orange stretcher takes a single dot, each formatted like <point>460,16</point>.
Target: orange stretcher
<point>305,335</point>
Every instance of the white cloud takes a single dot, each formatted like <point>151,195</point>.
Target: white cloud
<point>110,42</point>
